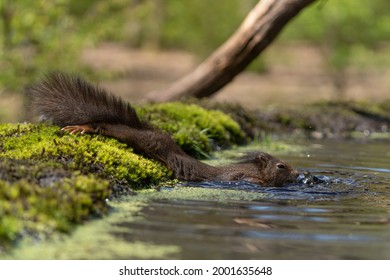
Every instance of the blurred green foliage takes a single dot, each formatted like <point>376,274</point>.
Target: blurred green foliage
<point>346,32</point>
<point>37,36</point>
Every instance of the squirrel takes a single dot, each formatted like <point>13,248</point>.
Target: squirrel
<point>80,107</point>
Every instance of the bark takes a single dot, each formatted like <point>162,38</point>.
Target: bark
<point>258,30</point>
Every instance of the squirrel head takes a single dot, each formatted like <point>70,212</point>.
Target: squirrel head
<point>262,169</point>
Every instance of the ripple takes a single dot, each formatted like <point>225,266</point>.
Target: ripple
<point>313,237</point>
<point>310,185</point>
<point>360,168</point>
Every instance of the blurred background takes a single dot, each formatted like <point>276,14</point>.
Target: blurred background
<point>333,50</point>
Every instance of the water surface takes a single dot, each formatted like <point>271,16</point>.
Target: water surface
<point>341,212</point>
<point>340,209</point>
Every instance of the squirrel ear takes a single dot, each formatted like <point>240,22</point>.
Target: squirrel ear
<point>238,176</point>
<point>262,159</point>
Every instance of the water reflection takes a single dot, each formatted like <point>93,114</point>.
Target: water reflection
<point>336,210</point>
<point>264,230</point>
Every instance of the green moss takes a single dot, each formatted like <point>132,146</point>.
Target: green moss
<point>43,186</point>
<point>326,119</point>
<point>27,208</point>
<point>195,129</point>
<point>101,155</point>
<point>375,111</point>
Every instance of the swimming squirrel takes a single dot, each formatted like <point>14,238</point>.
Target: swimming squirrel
<point>80,107</point>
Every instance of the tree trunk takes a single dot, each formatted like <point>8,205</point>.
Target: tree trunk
<point>257,31</point>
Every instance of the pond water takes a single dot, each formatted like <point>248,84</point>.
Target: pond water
<point>340,209</point>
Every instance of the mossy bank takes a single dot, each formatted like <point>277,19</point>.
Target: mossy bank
<point>51,180</point>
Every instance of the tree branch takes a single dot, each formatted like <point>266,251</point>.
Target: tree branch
<point>258,30</point>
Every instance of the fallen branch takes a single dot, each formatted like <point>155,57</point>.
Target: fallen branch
<point>258,30</point>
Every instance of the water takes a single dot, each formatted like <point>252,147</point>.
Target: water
<point>339,209</point>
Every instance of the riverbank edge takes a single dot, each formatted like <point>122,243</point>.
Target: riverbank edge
<point>43,167</point>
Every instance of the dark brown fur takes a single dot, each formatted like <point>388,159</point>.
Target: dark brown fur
<point>78,106</point>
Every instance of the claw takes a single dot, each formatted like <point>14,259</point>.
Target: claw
<point>72,129</point>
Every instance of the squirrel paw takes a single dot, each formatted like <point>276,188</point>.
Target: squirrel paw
<point>72,129</point>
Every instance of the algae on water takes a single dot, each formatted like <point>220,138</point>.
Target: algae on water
<point>96,240</point>
<point>111,237</point>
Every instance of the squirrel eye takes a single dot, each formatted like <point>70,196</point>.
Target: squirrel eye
<point>281,166</point>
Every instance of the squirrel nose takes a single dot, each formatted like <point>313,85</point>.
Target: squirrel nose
<point>294,175</point>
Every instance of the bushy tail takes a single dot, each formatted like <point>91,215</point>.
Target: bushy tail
<point>69,100</point>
